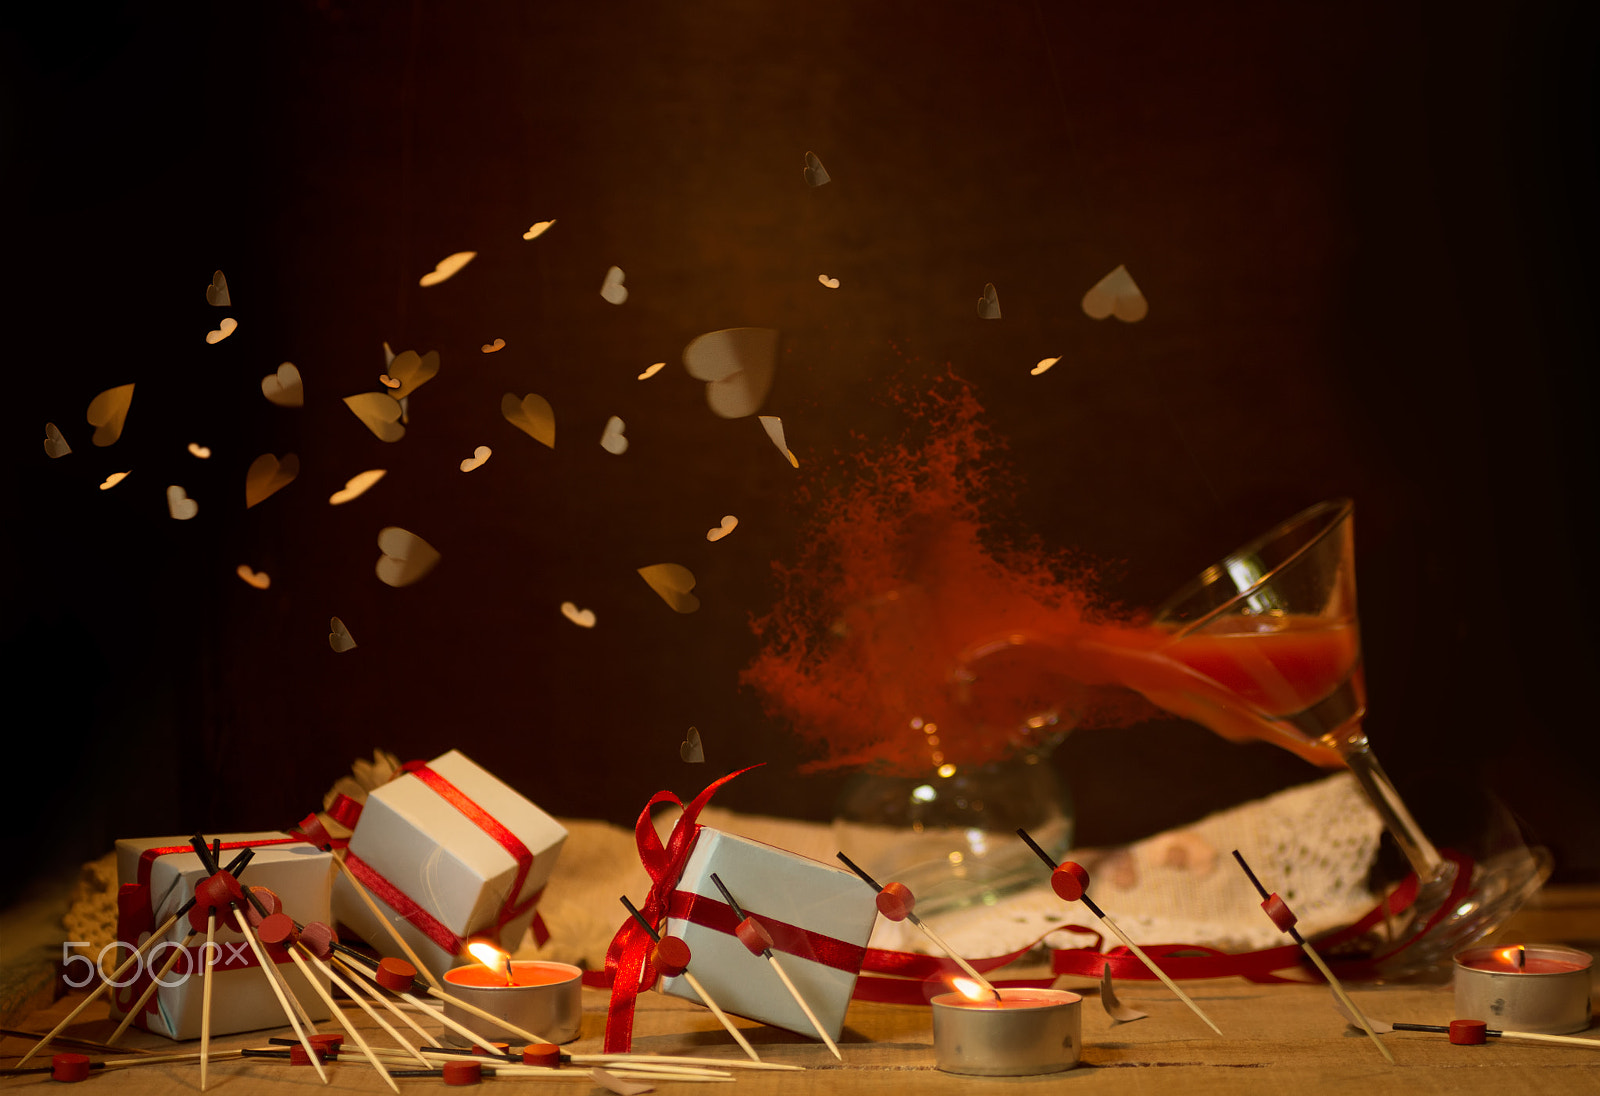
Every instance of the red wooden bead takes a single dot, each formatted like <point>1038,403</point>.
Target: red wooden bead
<point>754,935</point>
<point>1069,881</point>
<point>269,901</point>
<point>299,1057</point>
<point>672,956</point>
<point>1279,911</point>
<point>277,931</point>
<point>317,938</point>
<point>895,901</point>
<point>326,1040</point>
<point>462,1073</point>
<point>396,974</point>
<point>1468,1033</point>
<point>541,1054</point>
<point>69,1067</point>
<point>213,892</point>
<point>500,1050</point>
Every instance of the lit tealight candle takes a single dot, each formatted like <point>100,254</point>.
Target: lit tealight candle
<point>1023,1032</point>
<point>1540,988</point>
<point>530,993</point>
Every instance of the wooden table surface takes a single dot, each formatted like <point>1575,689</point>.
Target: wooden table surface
<point>1280,1039</point>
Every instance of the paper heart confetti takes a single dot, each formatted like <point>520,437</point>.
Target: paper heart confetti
<point>583,618</point>
<point>479,455</point>
<point>406,556</point>
<point>108,411</point>
<point>356,486</point>
<point>652,371</point>
<point>690,749</point>
<point>815,173</point>
<point>217,291</point>
<point>259,579</point>
<point>448,267</point>
<point>738,364</point>
<point>115,478</point>
<point>611,439</point>
<point>831,283</point>
<point>339,636</point>
<point>612,1083</point>
<point>1113,1005</point>
<point>536,230</point>
<point>179,505</point>
<point>989,303</point>
<point>412,370</point>
<point>612,288</point>
<point>267,476</point>
<point>54,444</point>
<point>388,381</point>
<point>1116,295</point>
<point>1042,365</point>
<point>673,582</point>
<point>200,451</point>
<point>380,412</point>
<point>490,348</point>
<point>283,387</point>
<point>227,327</point>
<point>729,524</point>
<point>773,425</point>
<point>532,414</point>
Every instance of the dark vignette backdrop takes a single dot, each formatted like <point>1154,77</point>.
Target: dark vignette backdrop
<point>1366,231</point>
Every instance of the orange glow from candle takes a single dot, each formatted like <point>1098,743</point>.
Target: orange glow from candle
<point>491,957</point>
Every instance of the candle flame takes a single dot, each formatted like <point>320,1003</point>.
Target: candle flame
<point>1513,955</point>
<point>487,954</point>
<point>968,989</point>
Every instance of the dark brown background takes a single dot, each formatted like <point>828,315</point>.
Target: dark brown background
<point>1366,232</point>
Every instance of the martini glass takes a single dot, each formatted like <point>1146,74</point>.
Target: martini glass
<point>1265,644</point>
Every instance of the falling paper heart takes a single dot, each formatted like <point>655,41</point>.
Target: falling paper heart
<point>267,476</point>
<point>536,230</point>
<point>283,387</point>
<point>1043,364</point>
<point>356,486</point>
<point>200,451</point>
<point>179,505</point>
<point>690,748</point>
<point>479,455</point>
<point>773,425</point>
<point>227,327</point>
<point>259,579</point>
<point>989,303</point>
<point>339,636</point>
<point>388,381</point>
<point>406,556</point>
<point>652,371</point>
<point>611,439</point>
<point>380,412</point>
<point>115,478</point>
<point>738,365</point>
<point>108,411</point>
<point>490,348</point>
<point>815,173</point>
<point>729,524</point>
<point>448,267</point>
<point>54,444</point>
<point>412,370</point>
<point>1113,1005</point>
<point>217,291</point>
<point>612,1083</point>
<point>1116,295</point>
<point>583,618</point>
<point>532,414</point>
<point>831,283</point>
<point>673,582</point>
<point>612,288</point>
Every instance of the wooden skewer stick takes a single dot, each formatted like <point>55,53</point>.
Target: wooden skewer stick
<point>155,984</point>
<point>1281,916</point>
<point>1072,885</point>
<point>759,936</point>
<point>333,1009</point>
<point>1523,1036</point>
<point>899,905</point>
<point>267,967</point>
<point>359,977</point>
<point>79,1044</point>
<point>205,995</point>
<point>623,1059</point>
<point>372,904</point>
<point>699,991</point>
<point>354,995</point>
<point>123,1063</point>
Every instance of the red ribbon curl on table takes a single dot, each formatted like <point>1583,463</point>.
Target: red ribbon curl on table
<point>630,963</point>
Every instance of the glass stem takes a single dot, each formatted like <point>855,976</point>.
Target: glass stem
<point>1357,753</point>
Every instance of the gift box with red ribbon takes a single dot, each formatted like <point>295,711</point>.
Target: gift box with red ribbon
<point>157,876</point>
<point>451,854</point>
<point>819,918</point>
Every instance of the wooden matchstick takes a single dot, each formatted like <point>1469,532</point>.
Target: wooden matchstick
<point>755,937</point>
<point>145,1059</point>
<point>393,976</point>
<point>1070,881</point>
<point>354,995</point>
<point>205,995</point>
<point>149,991</point>
<point>372,904</point>
<point>360,978</point>
<point>282,992</point>
<point>896,902</point>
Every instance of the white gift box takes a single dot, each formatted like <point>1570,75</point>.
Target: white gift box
<point>241,997</point>
<point>441,850</point>
<point>819,916</point>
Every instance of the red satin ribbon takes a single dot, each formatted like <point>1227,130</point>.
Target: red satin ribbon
<point>630,964</point>
<point>789,939</point>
